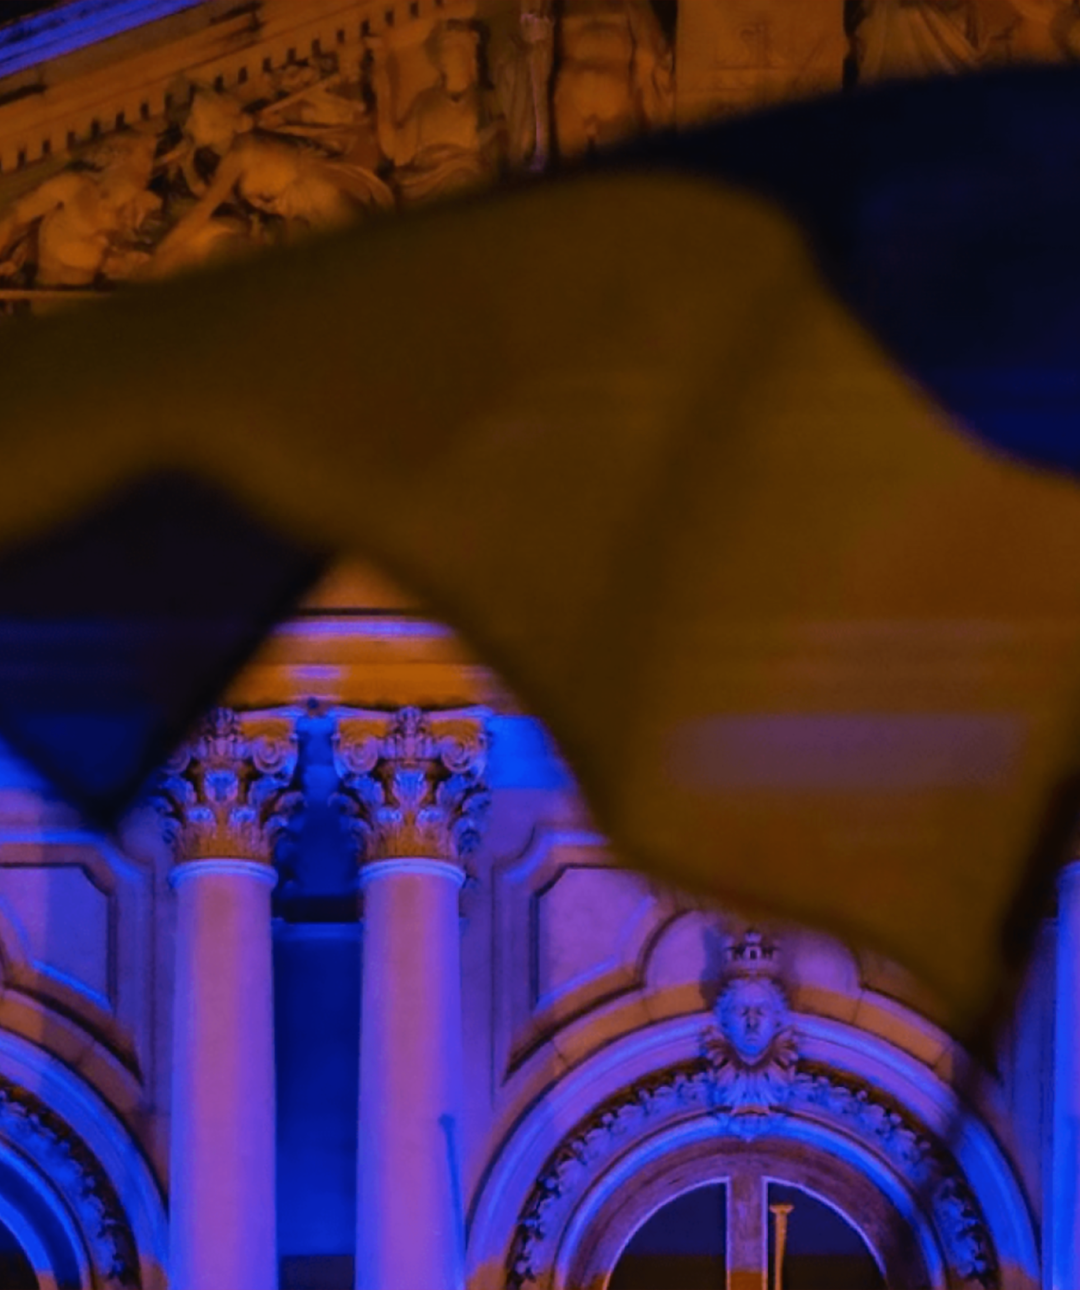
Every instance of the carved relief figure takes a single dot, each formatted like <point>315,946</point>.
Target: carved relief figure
<point>752,1050</point>
<point>299,149</point>
<point>922,37</point>
<point>83,223</point>
<point>1024,31</point>
<point>318,103</point>
<point>896,38</point>
<point>443,141</point>
<point>273,175</point>
<point>523,83</point>
<point>616,73</point>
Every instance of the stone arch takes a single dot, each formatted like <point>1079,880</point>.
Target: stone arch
<point>75,1189</point>
<point>855,1101</point>
<point>30,1242</point>
<point>43,1222</point>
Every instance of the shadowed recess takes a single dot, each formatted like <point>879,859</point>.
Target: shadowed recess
<point>823,1250</point>
<point>16,1270</point>
<point>683,1244</point>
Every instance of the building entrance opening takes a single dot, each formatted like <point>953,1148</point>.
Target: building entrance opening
<point>687,1242</point>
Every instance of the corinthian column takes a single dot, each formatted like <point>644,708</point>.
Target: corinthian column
<point>412,783</point>
<point>226,793</point>
<point>1065,1192</point>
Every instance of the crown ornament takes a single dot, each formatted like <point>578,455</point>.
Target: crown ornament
<point>752,954</point>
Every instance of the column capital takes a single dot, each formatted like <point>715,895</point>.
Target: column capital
<point>228,792</point>
<point>412,781</point>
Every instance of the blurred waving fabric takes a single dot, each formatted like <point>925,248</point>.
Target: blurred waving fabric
<point>810,639</point>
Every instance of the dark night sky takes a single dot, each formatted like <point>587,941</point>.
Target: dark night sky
<point>12,9</point>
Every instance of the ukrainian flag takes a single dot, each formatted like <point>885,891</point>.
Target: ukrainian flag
<point>744,457</point>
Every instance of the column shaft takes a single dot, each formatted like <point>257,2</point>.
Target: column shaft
<point>747,1233</point>
<point>222,1191</point>
<point>1065,1193</point>
<point>409,1208</point>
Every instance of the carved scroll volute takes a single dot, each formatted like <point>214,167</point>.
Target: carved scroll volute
<point>230,790</point>
<point>412,781</point>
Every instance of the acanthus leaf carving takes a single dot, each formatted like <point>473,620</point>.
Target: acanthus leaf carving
<point>917,1156</point>
<point>231,790</point>
<point>412,781</point>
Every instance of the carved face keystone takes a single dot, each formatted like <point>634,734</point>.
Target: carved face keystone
<point>750,1014</point>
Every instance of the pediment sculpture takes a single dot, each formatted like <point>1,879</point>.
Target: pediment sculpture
<point>616,74</point>
<point>84,223</point>
<point>413,113</point>
<point>444,140</point>
<point>896,38</point>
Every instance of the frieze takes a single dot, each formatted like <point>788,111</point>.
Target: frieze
<point>418,111</point>
<point>43,1137</point>
<point>689,1090</point>
<point>395,110</point>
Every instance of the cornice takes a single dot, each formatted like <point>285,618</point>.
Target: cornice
<point>374,660</point>
<point>75,83</point>
<point>362,658</point>
<point>63,28</point>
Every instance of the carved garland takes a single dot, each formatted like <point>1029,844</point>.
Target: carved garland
<point>41,1135</point>
<point>815,1092</point>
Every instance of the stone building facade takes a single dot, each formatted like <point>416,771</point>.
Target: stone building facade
<point>360,995</point>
